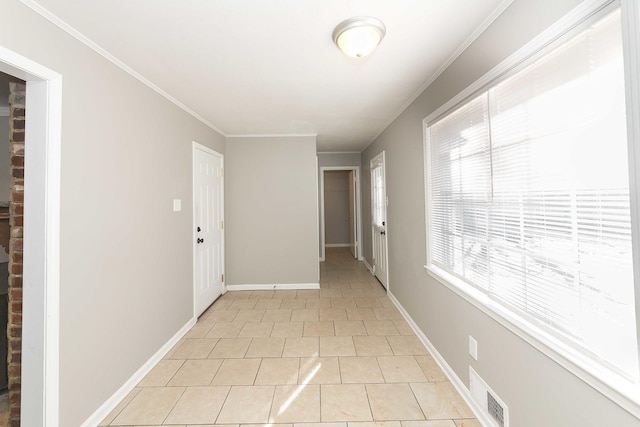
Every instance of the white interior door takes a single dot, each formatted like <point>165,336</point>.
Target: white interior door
<point>379,218</point>
<point>208,215</point>
<point>352,215</point>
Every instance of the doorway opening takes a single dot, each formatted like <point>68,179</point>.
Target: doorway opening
<point>37,299</point>
<point>340,209</point>
<point>12,136</point>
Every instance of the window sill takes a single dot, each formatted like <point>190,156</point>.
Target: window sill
<point>615,387</point>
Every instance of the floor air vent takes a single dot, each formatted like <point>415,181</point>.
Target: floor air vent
<point>495,409</point>
<point>487,400</point>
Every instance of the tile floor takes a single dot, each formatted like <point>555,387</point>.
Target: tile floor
<point>340,356</point>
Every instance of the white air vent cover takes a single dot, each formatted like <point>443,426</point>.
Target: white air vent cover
<point>488,401</point>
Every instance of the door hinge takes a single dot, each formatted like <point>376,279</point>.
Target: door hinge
<point>222,278</point>
<point>221,225</point>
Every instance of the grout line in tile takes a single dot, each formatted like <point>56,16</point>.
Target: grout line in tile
<point>223,403</point>
<point>333,285</point>
<point>366,392</point>
<point>176,372</point>
<point>257,370</point>
<point>123,408</point>
<point>174,405</point>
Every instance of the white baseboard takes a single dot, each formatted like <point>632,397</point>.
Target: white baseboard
<point>448,371</point>
<point>364,260</point>
<point>108,406</point>
<point>273,287</point>
<point>337,245</point>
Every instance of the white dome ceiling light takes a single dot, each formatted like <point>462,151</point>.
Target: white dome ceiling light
<point>359,36</point>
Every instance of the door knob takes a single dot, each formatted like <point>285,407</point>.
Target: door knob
<point>383,232</point>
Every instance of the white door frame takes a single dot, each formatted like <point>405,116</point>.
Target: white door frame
<point>380,157</point>
<point>198,146</point>
<point>41,268</point>
<point>356,171</point>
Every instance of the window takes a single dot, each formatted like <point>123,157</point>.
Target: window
<point>378,196</point>
<point>529,201</point>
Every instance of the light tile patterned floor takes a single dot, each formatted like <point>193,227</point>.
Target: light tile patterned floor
<point>342,356</point>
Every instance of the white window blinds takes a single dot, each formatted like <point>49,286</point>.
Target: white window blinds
<point>529,196</point>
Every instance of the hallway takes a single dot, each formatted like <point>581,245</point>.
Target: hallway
<point>341,354</point>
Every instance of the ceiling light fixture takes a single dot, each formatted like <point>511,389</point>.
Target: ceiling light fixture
<point>359,36</point>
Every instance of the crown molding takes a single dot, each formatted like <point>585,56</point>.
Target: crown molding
<point>57,21</point>
<point>273,135</point>
<point>479,30</point>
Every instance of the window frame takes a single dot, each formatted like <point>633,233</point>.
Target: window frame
<point>616,387</point>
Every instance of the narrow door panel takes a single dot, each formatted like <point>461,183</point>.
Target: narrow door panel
<point>208,239</point>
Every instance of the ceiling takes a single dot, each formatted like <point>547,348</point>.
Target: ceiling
<point>257,67</point>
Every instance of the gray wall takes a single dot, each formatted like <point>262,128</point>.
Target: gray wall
<point>271,211</point>
<point>336,160</point>
<point>126,265</point>
<point>538,391</point>
<point>336,207</point>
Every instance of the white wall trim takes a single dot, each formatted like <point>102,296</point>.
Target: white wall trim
<point>338,152</point>
<point>317,215</point>
<point>526,53</point>
<point>321,256</point>
<point>206,149</point>
<point>272,135</point>
<point>366,264</point>
<point>631,46</point>
<point>4,111</point>
<point>442,363</point>
<point>358,204</point>
<point>54,19</point>
<point>41,277</point>
<point>273,287</point>
<point>113,401</point>
<point>337,245</point>
<point>474,35</point>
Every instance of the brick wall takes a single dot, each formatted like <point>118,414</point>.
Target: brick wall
<point>17,93</point>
